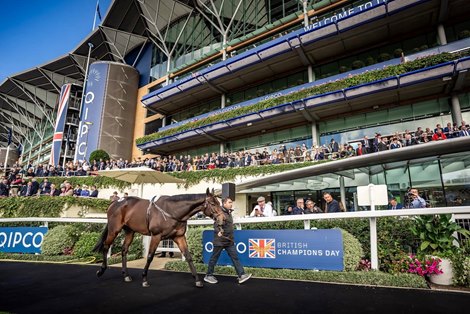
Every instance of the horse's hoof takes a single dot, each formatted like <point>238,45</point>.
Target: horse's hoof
<point>128,279</point>
<point>199,284</point>
<point>99,273</point>
<point>145,284</point>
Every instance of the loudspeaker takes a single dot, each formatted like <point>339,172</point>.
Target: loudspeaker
<point>228,190</point>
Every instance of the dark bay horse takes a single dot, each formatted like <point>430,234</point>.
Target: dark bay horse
<point>165,219</point>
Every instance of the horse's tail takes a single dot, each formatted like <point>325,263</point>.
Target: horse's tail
<point>99,247</point>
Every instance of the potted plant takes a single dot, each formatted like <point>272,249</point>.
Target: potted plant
<point>437,234</point>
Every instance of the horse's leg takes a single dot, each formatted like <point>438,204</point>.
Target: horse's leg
<point>183,246</point>
<point>125,249</point>
<point>112,234</point>
<point>154,241</point>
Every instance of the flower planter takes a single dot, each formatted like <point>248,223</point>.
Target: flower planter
<point>445,278</point>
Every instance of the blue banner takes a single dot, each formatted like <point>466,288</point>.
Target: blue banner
<point>91,111</point>
<point>294,249</point>
<point>22,239</point>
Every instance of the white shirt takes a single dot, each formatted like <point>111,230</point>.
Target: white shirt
<point>267,210</point>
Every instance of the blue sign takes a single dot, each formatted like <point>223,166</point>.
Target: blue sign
<point>295,249</point>
<point>22,239</point>
<point>92,111</point>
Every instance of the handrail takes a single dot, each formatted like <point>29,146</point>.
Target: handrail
<point>372,215</point>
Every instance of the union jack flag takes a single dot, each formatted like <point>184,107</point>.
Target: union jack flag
<point>59,124</point>
<point>262,248</point>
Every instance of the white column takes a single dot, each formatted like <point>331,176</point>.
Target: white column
<point>315,138</point>
<point>222,149</point>
<point>441,34</point>
<point>342,191</point>
<point>163,121</point>
<point>374,259</point>
<point>456,111</point>
<point>311,74</point>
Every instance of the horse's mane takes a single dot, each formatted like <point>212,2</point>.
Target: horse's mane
<point>186,197</point>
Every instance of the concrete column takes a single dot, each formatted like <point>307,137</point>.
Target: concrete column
<point>315,136</point>
<point>342,190</point>
<point>222,149</point>
<point>441,34</point>
<point>456,112</point>
<point>222,101</point>
<point>311,74</point>
<point>163,121</point>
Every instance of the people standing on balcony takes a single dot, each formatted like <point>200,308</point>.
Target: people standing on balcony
<point>54,191</point>
<point>332,205</point>
<point>439,135</point>
<point>415,200</point>
<point>93,191</point>
<point>464,131</point>
<point>311,208</point>
<point>366,145</point>
<point>299,208</point>
<point>4,188</point>
<point>262,209</point>
<point>45,186</point>
<point>409,141</point>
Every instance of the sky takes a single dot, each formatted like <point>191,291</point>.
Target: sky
<point>34,32</point>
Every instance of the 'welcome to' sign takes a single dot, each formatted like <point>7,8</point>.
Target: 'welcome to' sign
<point>296,249</point>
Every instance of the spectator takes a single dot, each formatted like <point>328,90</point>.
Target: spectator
<point>4,188</point>
<point>68,189</point>
<point>311,208</point>
<point>223,239</point>
<point>415,201</point>
<point>114,197</point>
<point>332,205</point>
<point>262,209</point>
<point>394,204</point>
<point>464,131</point>
<point>35,186</point>
<point>77,191</point>
<point>85,192</point>
<point>27,189</point>
<point>438,136</point>
<point>54,191</point>
<point>45,186</point>
<point>94,191</point>
<point>299,209</point>
<point>16,185</point>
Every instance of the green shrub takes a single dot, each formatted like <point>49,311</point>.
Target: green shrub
<point>136,247</point>
<point>47,258</point>
<point>374,278</point>
<point>85,245</point>
<point>59,239</point>
<point>194,239</point>
<point>352,251</point>
<point>99,154</point>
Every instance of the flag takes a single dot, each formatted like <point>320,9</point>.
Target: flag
<point>262,248</point>
<point>9,136</point>
<point>98,10</point>
<point>60,124</point>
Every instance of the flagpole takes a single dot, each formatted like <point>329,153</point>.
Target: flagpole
<point>6,159</point>
<point>66,151</point>
<point>96,12</point>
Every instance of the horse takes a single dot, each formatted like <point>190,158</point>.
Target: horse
<point>164,219</point>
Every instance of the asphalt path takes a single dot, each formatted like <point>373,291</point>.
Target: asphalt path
<point>65,288</point>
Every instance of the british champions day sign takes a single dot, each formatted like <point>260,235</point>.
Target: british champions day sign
<point>22,239</point>
<point>296,249</point>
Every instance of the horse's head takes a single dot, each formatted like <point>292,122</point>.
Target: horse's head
<point>212,207</point>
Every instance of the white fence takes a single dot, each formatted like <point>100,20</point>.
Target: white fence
<point>459,213</point>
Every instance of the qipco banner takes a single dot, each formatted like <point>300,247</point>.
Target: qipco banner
<point>295,249</point>
<point>22,239</point>
<point>92,111</point>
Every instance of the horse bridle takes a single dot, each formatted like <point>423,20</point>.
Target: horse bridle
<point>213,212</point>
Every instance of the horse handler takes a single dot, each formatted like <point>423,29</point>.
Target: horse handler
<point>223,239</point>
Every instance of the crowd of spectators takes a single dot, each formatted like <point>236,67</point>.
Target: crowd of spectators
<point>280,155</point>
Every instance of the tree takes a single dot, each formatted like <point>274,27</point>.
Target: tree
<point>99,154</point>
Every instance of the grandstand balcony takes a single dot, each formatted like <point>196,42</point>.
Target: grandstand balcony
<point>325,39</point>
<point>433,81</point>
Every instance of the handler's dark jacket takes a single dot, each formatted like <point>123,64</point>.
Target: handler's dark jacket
<point>227,234</point>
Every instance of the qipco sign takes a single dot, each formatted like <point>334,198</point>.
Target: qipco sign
<point>22,239</point>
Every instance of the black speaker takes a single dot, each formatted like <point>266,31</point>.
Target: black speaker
<point>228,190</point>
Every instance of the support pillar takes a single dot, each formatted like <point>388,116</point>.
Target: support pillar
<point>222,149</point>
<point>342,191</point>
<point>315,137</point>
<point>456,111</point>
<point>441,34</point>
<point>311,74</point>
<point>163,121</point>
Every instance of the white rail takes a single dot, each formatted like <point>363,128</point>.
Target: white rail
<point>460,212</point>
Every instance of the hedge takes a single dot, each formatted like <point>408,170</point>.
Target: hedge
<point>373,278</point>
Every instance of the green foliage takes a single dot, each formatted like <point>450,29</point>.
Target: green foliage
<point>362,78</point>
<point>85,245</point>
<point>229,174</point>
<point>99,154</point>
<point>352,251</point>
<point>194,239</point>
<point>47,206</point>
<point>98,181</point>
<point>373,278</point>
<point>136,248</point>
<point>436,234</point>
<point>42,257</point>
<point>461,265</point>
<point>59,240</point>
